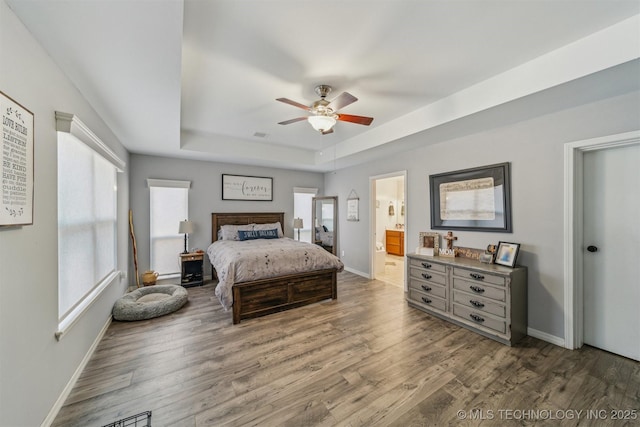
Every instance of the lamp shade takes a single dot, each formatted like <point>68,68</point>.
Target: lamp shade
<point>297,223</point>
<point>185,227</point>
<point>322,123</point>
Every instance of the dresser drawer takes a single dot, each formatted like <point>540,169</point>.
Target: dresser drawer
<point>427,300</point>
<point>479,318</point>
<point>428,275</point>
<point>427,265</point>
<point>480,289</point>
<point>479,304</point>
<point>478,276</point>
<point>428,288</point>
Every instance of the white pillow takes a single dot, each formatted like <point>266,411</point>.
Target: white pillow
<point>326,237</point>
<point>230,232</point>
<point>270,226</point>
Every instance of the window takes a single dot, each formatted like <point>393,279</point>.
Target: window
<point>87,220</point>
<point>302,209</point>
<point>168,205</point>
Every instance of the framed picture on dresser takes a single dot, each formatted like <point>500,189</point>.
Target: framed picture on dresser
<point>507,254</point>
<point>429,243</point>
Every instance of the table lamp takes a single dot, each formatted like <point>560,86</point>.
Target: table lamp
<point>186,227</point>
<point>297,224</point>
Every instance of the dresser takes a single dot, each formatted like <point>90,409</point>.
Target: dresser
<point>486,298</point>
<point>395,242</point>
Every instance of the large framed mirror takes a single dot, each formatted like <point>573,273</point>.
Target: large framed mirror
<point>325,221</point>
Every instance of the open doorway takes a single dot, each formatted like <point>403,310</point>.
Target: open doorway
<point>388,196</point>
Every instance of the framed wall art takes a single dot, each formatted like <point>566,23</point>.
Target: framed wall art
<point>353,206</point>
<point>16,192</point>
<point>239,187</point>
<point>477,199</point>
<point>507,254</point>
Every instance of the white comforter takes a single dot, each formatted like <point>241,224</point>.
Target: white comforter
<point>242,261</point>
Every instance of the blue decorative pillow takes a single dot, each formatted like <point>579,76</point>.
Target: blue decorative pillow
<point>258,234</point>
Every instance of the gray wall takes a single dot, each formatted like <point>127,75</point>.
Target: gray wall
<point>205,196</point>
<point>34,367</point>
<point>535,150</point>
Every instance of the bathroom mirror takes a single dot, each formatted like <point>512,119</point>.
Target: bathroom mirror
<point>325,220</point>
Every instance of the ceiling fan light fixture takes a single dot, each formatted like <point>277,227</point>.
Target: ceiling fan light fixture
<point>322,123</point>
<point>324,113</point>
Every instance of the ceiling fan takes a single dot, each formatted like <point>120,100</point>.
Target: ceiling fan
<point>325,113</point>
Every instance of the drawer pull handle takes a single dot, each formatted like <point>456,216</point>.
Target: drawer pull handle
<point>426,288</point>
<point>477,276</point>
<point>476,303</point>
<point>476,289</point>
<point>426,265</point>
<point>426,300</point>
<point>476,318</point>
<point>426,276</point>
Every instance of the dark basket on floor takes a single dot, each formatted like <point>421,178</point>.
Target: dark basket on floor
<point>142,419</point>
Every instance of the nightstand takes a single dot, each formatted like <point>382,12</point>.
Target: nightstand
<point>191,269</point>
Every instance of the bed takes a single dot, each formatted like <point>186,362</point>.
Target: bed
<point>324,238</point>
<point>251,293</point>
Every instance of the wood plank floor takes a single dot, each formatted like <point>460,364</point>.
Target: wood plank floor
<point>364,359</point>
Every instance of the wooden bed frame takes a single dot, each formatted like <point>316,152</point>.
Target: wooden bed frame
<point>265,296</point>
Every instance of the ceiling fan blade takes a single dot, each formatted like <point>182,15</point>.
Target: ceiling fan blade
<point>288,122</point>
<point>342,101</point>
<point>327,131</point>
<point>361,120</point>
<point>294,103</point>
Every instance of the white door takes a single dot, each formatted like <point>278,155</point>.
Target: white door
<point>612,250</point>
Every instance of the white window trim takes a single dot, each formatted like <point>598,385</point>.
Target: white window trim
<point>71,124</point>
<point>168,183</point>
<point>306,190</point>
<point>74,315</point>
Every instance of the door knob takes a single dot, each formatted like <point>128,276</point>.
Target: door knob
<point>592,248</point>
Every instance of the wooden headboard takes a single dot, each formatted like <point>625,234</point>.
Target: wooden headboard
<point>243,218</point>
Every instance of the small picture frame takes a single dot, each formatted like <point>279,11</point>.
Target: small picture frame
<point>429,243</point>
<point>507,254</point>
<point>486,257</point>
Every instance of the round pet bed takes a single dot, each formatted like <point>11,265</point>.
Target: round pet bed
<point>149,302</point>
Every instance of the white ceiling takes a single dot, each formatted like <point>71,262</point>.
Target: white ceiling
<point>198,79</point>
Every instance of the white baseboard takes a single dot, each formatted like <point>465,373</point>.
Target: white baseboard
<point>359,273</point>
<point>545,337</point>
<point>67,390</point>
